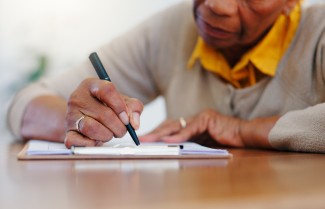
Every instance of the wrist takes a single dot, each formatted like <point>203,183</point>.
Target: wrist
<point>254,133</point>
<point>244,133</point>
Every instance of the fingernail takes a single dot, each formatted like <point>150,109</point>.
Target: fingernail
<point>136,120</point>
<point>124,118</point>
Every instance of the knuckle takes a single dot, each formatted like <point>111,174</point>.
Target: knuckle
<point>106,115</point>
<point>87,129</point>
<point>108,88</point>
<point>108,137</point>
<point>208,112</point>
<point>106,93</point>
<point>73,100</point>
<point>139,105</point>
<point>120,132</point>
<point>87,82</point>
<point>135,104</point>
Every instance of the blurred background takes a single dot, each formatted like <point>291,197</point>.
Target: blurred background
<point>45,37</point>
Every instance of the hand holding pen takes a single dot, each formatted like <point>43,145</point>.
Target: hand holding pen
<point>102,74</point>
<point>97,112</point>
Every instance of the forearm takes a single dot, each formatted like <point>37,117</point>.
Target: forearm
<point>44,118</point>
<point>254,133</point>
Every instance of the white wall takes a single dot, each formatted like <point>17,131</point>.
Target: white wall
<point>64,30</point>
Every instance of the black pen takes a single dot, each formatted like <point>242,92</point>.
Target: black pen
<point>102,74</point>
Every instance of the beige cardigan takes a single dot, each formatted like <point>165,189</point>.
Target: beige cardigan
<point>151,60</point>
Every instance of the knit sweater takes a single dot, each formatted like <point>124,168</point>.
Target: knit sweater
<point>151,60</point>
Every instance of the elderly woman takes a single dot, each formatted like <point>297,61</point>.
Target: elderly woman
<point>245,73</point>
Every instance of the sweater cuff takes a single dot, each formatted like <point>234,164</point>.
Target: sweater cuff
<point>300,130</point>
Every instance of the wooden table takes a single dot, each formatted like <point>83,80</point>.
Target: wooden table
<point>251,179</point>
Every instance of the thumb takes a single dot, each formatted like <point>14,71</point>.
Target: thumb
<point>134,109</point>
<point>135,120</point>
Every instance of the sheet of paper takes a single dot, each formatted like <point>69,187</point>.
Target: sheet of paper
<point>38,147</point>
<point>120,147</point>
<point>193,148</point>
<point>142,149</point>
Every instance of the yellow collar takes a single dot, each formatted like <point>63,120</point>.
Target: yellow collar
<point>264,57</point>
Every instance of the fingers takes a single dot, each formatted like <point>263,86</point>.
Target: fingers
<point>221,128</point>
<point>73,138</point>
<point>124,107</point>
<point>134,108</point>
<point>184,134</point>
<point>81,102</point>
<point>103,118</point>
<point>180,130</point>
<point>195,126</point>
<point>94,130</point>
<point>105,114</point>
<point>135,120</point>
<point>163,132</point>
<point>105,92</point>
<point>87,132</point>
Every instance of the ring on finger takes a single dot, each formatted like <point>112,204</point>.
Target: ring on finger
<point>182,122</point>
<point>78,123</point>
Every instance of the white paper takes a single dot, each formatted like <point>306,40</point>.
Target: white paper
<point>120,147</point>
<point>139,150</point>
<point>38,147</point>
<point>193,148</point>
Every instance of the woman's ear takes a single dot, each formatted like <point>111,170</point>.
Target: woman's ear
<point>289,5</point>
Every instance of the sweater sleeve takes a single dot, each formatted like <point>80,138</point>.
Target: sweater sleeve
<point>300,130</point>
<point>60,85</point>
<point>303,130</point>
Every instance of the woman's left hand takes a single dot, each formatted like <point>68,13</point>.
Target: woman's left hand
<point>223,129</point>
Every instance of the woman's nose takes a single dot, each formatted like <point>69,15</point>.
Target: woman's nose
<point>222,7</point>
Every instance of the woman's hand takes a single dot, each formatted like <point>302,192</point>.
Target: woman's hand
<point>97,112</point>
<point>225,130</point>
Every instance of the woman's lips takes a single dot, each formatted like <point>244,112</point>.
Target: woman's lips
<point>213,32</point>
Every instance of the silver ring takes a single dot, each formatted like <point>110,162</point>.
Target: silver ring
<point>182,122</point>
<point>78,122</point>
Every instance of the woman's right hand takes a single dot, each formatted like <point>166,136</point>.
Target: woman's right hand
<point>97,112</point>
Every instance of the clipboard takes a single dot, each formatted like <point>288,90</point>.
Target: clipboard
<point>191,151</point>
